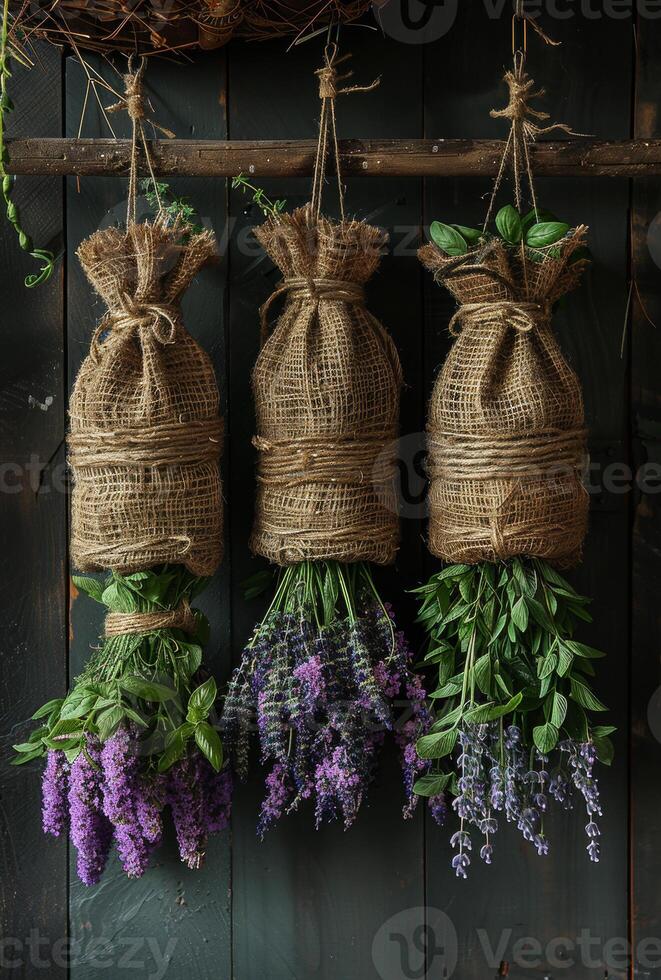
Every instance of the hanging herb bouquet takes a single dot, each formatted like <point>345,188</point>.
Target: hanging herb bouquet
<point>515,716</point>
<point>324,667</point>
<point>135,734</point>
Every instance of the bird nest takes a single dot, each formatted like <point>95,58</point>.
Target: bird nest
<point>162,26</point>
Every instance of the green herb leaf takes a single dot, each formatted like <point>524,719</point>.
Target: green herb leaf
<point>147,690</point>
<point>431,785</point>
<point>508,223</point>
<point>546,233</point>
<point>545,737</point>
<point>447,238</point>
<point>605,749</point>
<point>90,586</point>
<point>559,709</point>
<point>48,708</point>
<point>583,695</point>
<point>208,741</point>
<point>471,236</point>
<point>202,700</point>
<point>438,745</point>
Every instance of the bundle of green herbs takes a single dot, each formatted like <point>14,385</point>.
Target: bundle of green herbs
<point>136,732</point>
<point>514,724</point>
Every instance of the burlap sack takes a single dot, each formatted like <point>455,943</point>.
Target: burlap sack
<point>326,387</point>
<point>507,440</point>
<point>145,434</point>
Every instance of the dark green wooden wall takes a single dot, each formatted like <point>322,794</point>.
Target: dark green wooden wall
<point>308,904</point>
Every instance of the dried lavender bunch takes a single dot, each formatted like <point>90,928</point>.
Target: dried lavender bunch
<point>514,702</point>
<point>134,735</point>
<point>319,682</point>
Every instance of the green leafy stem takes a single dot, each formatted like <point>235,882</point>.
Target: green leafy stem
<point>269,208</point>
<point>150,680</point>
<point>6,106</point>
<point>501,636</point>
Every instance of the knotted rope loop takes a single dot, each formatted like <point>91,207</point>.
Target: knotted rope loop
<point>133,103</point>
<point>329,89</point>
<point>160,319</point>
<point>521,316</point>
<point>127,624</point>
<point>311,291</point>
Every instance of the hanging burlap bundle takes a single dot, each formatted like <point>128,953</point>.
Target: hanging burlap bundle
<point>145,428</point>
<point>507,442</point>
<point>326,388</point>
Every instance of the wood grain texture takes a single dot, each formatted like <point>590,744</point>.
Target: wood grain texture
<point>360,157</point>
<point>33,875</point>
<point>173,919</point>
<point>645,356</point>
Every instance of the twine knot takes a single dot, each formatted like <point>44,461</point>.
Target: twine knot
<point>312,290</point>
<point>519,110</point>
<point>158,319</point>
<point>521,316</point>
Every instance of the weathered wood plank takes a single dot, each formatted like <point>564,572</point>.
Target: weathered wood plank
<point>173,919</point>
<point>310,903</point>
<point>523,895</point>
<point>360,157</point>
<point>645,347</point>
<point>33,528</point>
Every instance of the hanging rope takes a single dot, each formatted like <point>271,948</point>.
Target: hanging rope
<point>329,89</point>
<point>134,104</point>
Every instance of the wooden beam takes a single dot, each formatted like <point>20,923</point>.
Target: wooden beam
<point>295,158</point>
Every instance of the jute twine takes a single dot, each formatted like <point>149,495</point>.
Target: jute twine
<point>326,388</point>
<point>124,624</point>
<point>146,435</point>
<point>327,380</point>
<point>507,440</point>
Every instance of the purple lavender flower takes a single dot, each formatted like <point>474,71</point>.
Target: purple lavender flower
<point>90,830</point>
<point>120,761</point>
<point>278,793</point>
<point>219,788</point>
<point>438,808</point>
<point>54,789</point>
<point>186,803</point>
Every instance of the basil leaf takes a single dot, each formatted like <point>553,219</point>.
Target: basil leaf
<point>208,741</point>
<point>536,217</point>
<point>202,700</point>
<point>508,223</point>
<point>48,708</point>
<point>147,690</point>
<point>447,238</point>
<point>546,233</point>
<point>470,235</point>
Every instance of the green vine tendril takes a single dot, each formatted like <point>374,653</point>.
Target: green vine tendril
<point>6,106</point>
<point>270,209</point>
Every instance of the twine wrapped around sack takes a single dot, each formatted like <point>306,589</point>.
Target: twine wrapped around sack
<point>327,380</point>
<point>326,388</point>
<point>507,440</point>
<point>145,430</point>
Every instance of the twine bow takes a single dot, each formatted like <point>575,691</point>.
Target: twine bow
<point>329,88</point>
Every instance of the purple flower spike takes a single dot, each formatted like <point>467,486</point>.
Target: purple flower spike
<point>54,790</point>
<point>90,830</point>
<point>120,761</point>
<point>185,798</point>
